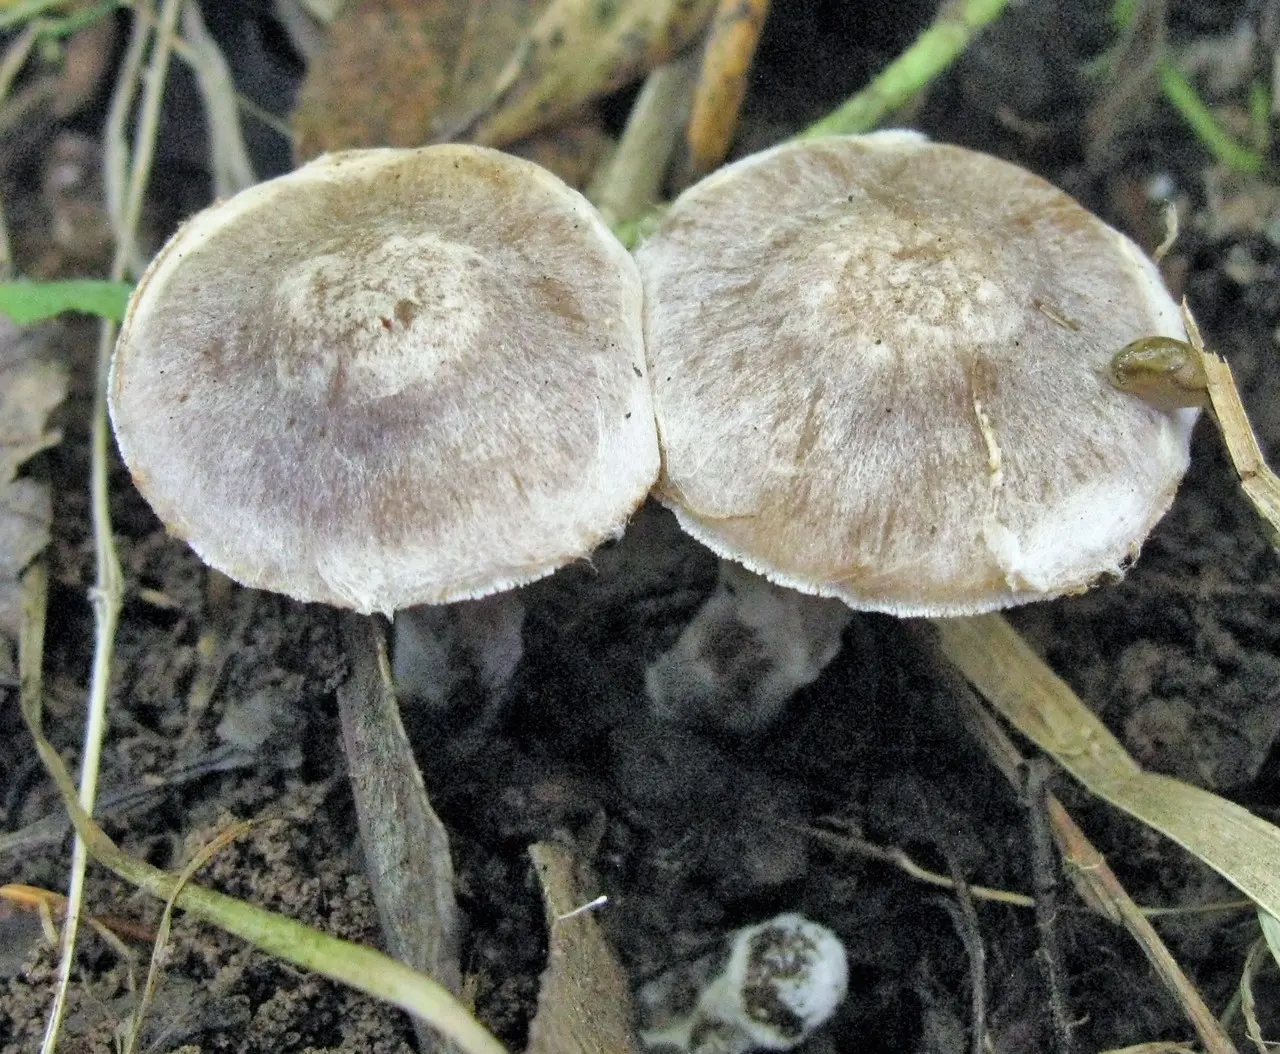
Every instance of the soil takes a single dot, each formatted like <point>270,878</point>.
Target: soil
<point>223,700</point>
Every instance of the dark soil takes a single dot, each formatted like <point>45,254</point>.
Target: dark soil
<point>691,831</point>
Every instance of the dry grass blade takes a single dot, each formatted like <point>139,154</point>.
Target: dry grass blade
<point>53,905</point>
<point>228,155</point>
<point>1093,878</point>
<point>1248,1006</point>
<point>406,848</point>
<point>1169,373</point>
<point>166,921</point>
<point>1241,847</point>
<point>584,1001</point>
<point>1270,933</point>
<point>1258,482</point>
<point>108,592</point>
<point>1090,868</point>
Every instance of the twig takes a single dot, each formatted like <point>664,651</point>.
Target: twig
<point>1093,877</point>
<point>1020,686</point>
<point>848,842</point>
<point>965,920</point>
<point>51,829</point>
<point>1044,868</point>
<point>1092,870</point>
<point>631,180</point>
<point>722,84</point>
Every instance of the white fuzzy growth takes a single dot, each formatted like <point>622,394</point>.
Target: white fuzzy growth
<point>790,959</point>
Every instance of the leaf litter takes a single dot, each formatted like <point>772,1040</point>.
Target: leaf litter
<point>561,797</point>
<point>33,383</point>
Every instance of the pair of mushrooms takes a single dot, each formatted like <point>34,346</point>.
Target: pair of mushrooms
<point>870,368</point>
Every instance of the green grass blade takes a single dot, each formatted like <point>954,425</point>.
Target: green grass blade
<point>26,302</point>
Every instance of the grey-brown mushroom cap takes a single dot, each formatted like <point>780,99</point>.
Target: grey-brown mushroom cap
<point>880,373</point>
<point>391,377</point>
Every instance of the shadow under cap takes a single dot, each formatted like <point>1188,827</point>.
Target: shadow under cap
<point>880,374</point>
<point>391,377</point>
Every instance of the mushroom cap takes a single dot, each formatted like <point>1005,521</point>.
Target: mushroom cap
<point>880,373</point>
<point>390,377</point>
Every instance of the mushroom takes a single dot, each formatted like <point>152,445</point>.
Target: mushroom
<point>391,377</point>
<point>880,373</point>
<point>782,980</point>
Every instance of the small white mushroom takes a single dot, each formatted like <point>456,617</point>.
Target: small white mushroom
<point>783,979</point>
<point>391,377</point>
<point>880,374</point>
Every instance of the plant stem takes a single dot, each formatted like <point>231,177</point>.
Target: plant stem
<point>957,23</point>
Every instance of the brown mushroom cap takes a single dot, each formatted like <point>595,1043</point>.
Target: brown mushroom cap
<point>391,377</point>
<point>880,373</point>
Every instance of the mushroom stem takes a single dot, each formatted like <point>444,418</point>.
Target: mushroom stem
<point>438,646</point>
<point>748,650</point>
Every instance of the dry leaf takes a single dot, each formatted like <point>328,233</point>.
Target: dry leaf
<point>1243,848</point>
<point>392,72</point>
<point>581,49</point>
<point>584,1001</point>
<point>31,386</point>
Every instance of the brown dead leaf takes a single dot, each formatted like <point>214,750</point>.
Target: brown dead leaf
<point>573,151</point>
<point>393,72</point>
<point>406,848</point>
<point>584,1001</point>
<point>581,49</point>
<point>409,72</point>
<point>32,384</point>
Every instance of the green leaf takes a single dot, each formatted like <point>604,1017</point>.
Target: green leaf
<point>26,302</point>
